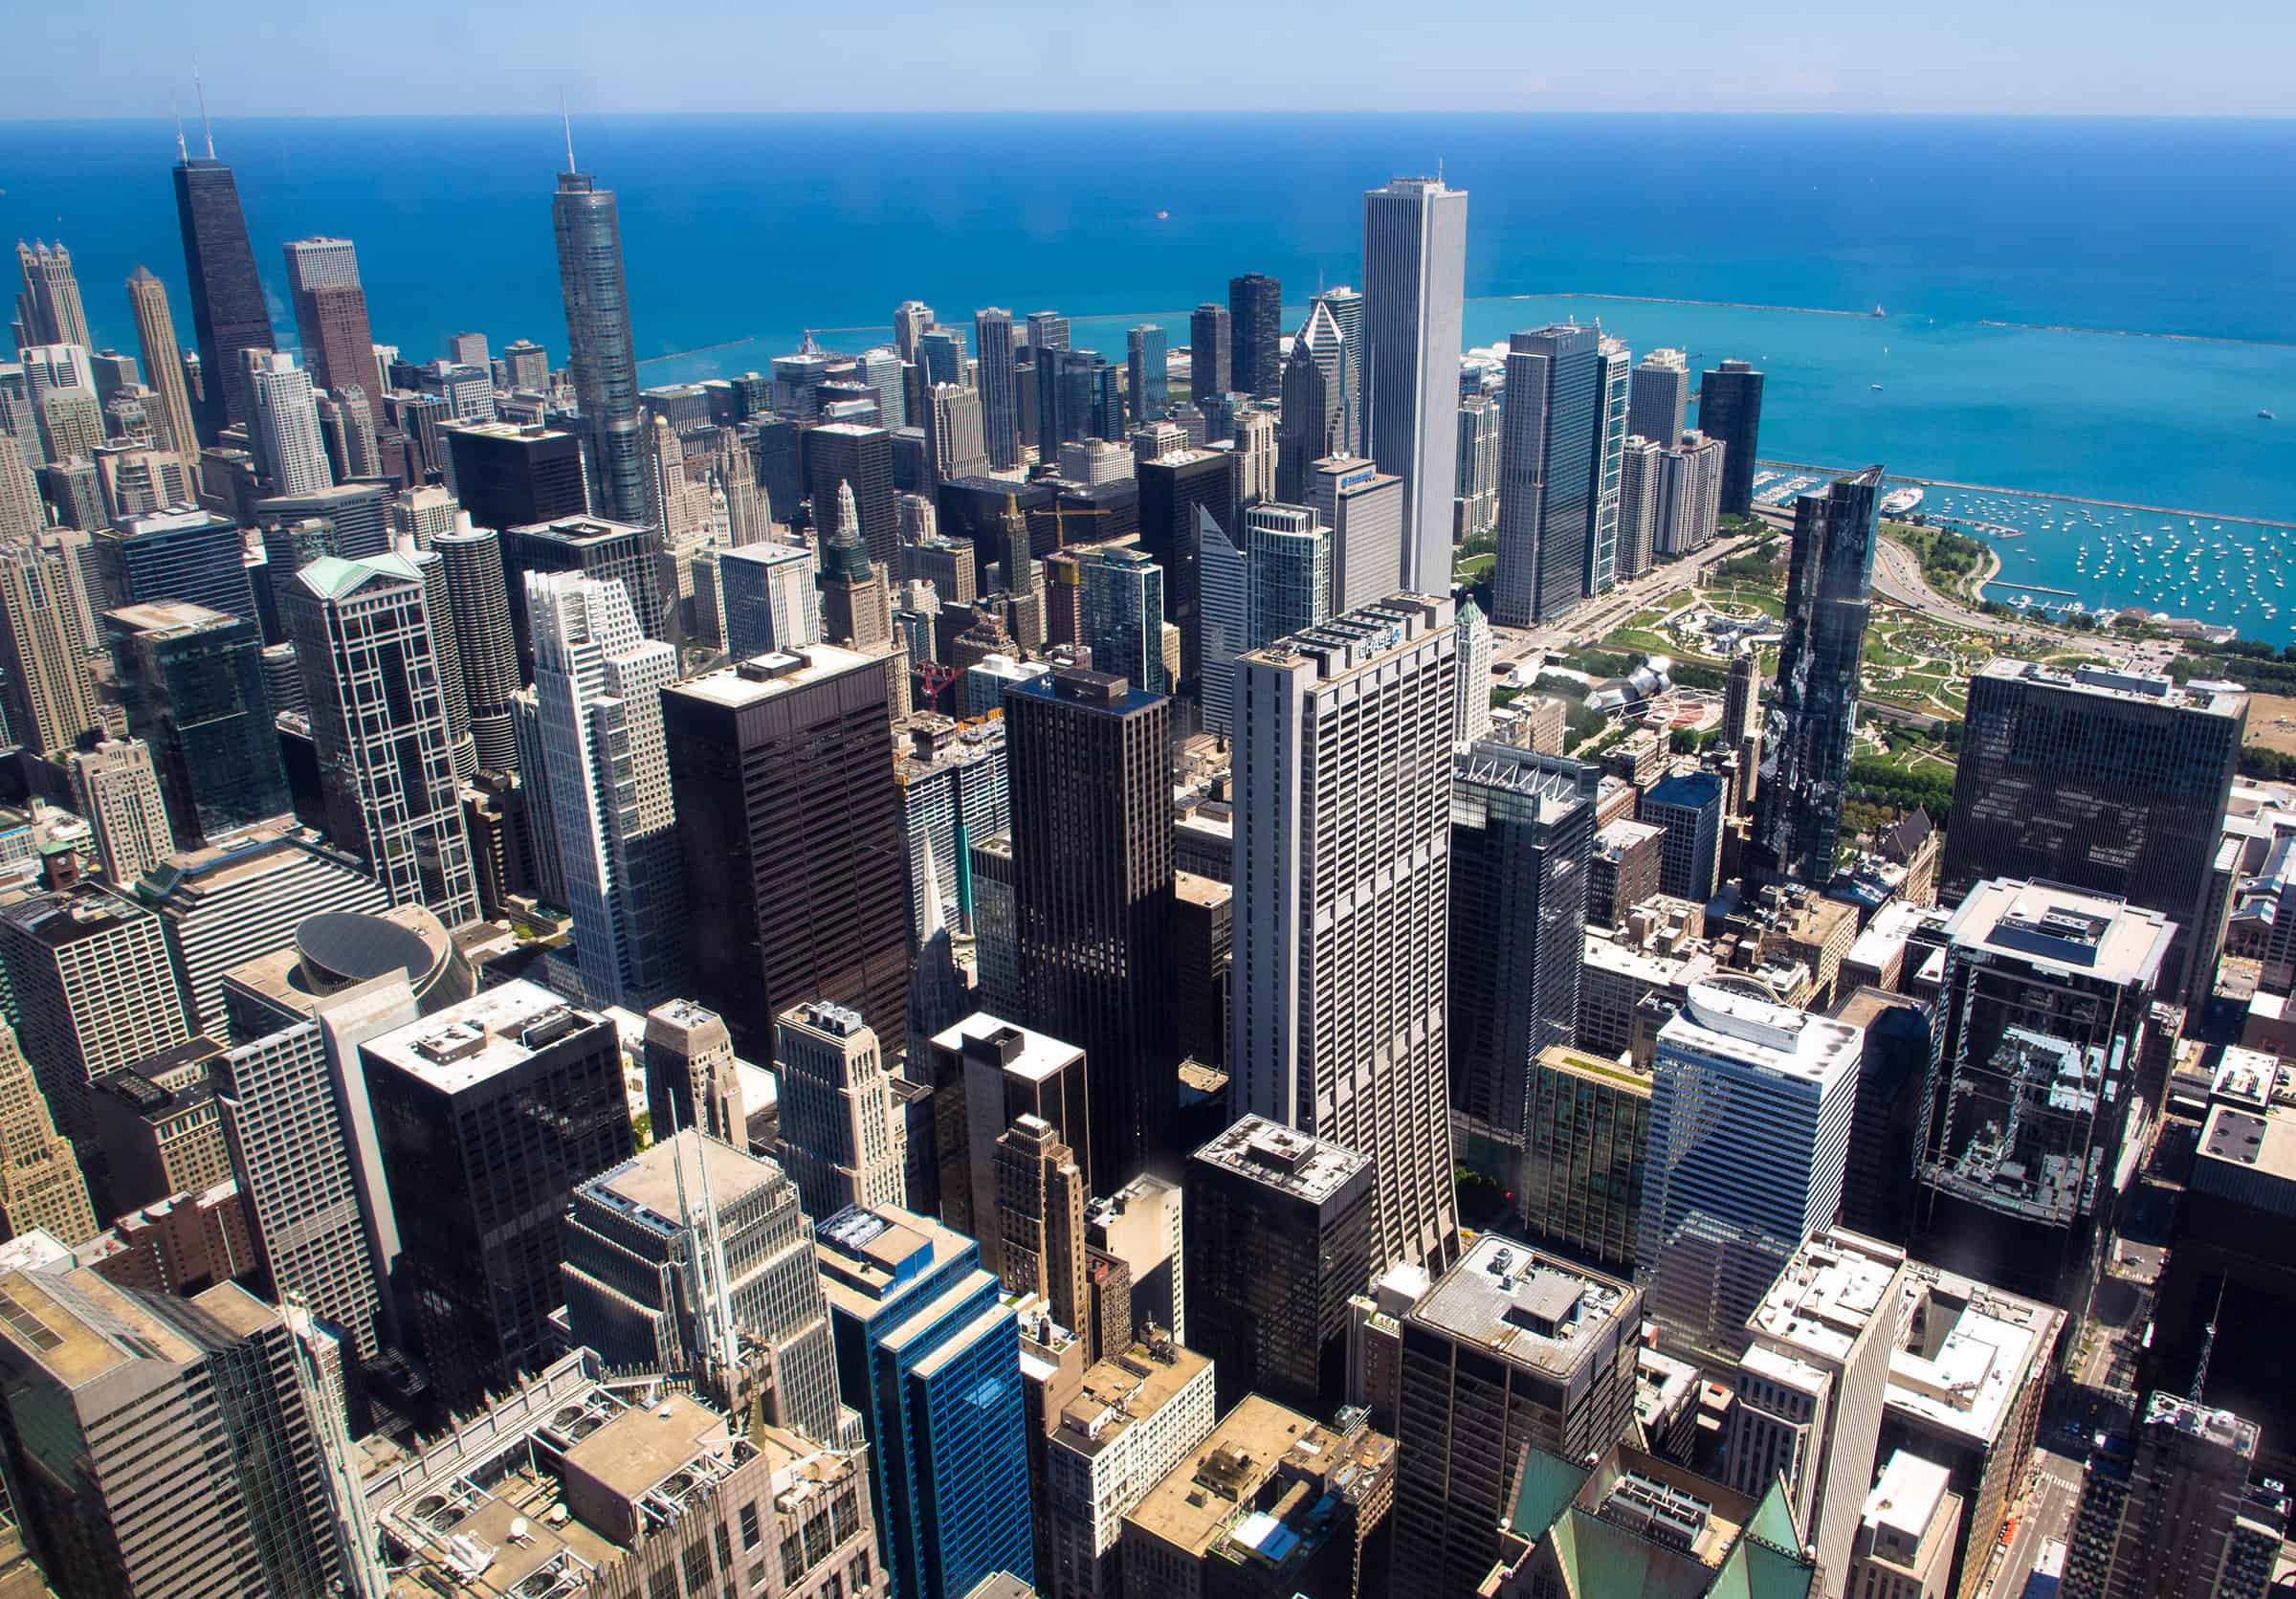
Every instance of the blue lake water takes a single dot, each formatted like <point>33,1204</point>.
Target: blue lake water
<point>741,232</point>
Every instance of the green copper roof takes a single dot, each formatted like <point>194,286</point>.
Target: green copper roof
<point>1773,1518</point>
<point>333,577</point>
<point>1543,1492</point>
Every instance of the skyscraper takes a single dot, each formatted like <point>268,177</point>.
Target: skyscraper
<point>1474,672</point>
<point>853,612</point>
<point>509,475</point>
<point>1363,507</point>
<point>182,555</point>
<point>192,682</point>
<point>1686,507</point>
<point>472,561</point>
<point>2101,780</point>
<point>606,787</point>
<point>362,631</point>
<point>766,592</point>
<point>228,313</point>
<point>911,321</point>
<point>843,1137</point>
<point>1211,351</point>
<point>1730,409</point>
<point>1339,996</point>
<point>1173,488</point>
<point>1414,276</point>
<point>1223,581</point>
<point>1522,832</point>
<point>1659,395</point>
<point>330,313</point>
<point>1000,390</point>
<point>1086,759</point>
<point>600,354</point>
<point>1145,359</point>
<point>1255,309</point>
<point>1316,392</point>
<point>954,443</point>
<point>1550,461</point>
<point>1040,1218</point>
<point>284,427</point>
<point>492,1110</point>
<point>1124,618</point>
<point>51,699</point>
<point>2176,1509</point>
<point>840,453</point>
<point>790,829</point>
<point>119,796</point>
<point>181,1455</point>
<point>1289,555</point>
<point>40,1181</point>
<point>1612,360</point>
<point>1813,716</point>
<point>50,305</point>
<point>1478,507</point>
<point>1722,1214</point>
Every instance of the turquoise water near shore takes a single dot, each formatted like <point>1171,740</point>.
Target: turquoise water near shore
<point>741,232</point>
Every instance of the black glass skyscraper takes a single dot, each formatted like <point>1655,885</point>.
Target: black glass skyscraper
<point>1813,713</point>
<point>1255,313</point>
<point>1211,352</point>
<point>192,681</point>
<point>598,349</point>
<point>1000,388</point>
<point>1730,409</point>
<point>228,313</point>
<point>513,477</point>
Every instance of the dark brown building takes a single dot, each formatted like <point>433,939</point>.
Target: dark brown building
<point>1203,918</point>
<point>789,824</point>
<point>1089,768</point>
<point>338,345</point>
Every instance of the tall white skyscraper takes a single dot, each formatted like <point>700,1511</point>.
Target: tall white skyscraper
<point>1363,507</point>
<point>1613,361</point>
<point>1660,391</point>
<point>1414,276</point>
<point>1341,872</point>
<point>285,426</point>
<point>1474,672</point>
<point>844,1140</point>
<point>768,599</point>
<point>598,683</point>
<point>1749,1136</point>
<point>1290,553</point>
<point>363,645</point>
<point>1223,614</point>
<point>120,795</point>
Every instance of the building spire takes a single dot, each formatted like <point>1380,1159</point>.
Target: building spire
<point>175,109</point>
<point>569,122</point>
<point>206,128</point>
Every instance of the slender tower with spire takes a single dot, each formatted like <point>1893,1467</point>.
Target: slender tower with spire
<point>162,361</point>
<point>853,600</point>
<point>598,349</point>
<point>228,313</point>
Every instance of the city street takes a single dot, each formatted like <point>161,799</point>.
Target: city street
<point>2044,1513</point>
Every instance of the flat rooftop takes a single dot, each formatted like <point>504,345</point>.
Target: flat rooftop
<point>1832,1289</point>
<point>1282,1158</point>
<point>2258,1140</point>
<point>1356,639</point>
<point>1771,1037</point>
<point>1616,1075</point>
<point>1036,1056</point>
<point>482,1036</point>
<point>2063,929</point>
<point>2101,683</point>
<point>1195,1503</point>
<point>645,1188</point>
<point>762,678</point>
<point>1906,1496</point>
<point>1965,1352</point>
<point>166,616</point>
<point>1192,889</point>
<point>1534,1309</point>
<point>1122,1389</point>
<point>865,1254</point>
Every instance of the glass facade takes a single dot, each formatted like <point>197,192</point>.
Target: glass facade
<point>194,691</point>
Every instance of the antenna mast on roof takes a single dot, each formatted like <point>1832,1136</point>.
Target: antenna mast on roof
<point>206,127</point>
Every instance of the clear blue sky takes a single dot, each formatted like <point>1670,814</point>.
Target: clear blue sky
<point>2216,57</point>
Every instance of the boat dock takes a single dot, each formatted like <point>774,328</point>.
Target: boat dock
<point>2185,511</point>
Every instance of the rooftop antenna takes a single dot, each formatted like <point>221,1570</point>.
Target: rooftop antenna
<point>569,122</point>
<point>206,127</point>
<point>175,109</point>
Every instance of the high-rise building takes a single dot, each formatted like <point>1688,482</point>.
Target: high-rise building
<point>1256,308</point>
<point>600,355</point>
<point>1092,826</point>
<point>49,693</point>
<point>363,642</point>
<point>1689,806</point>
<point>1659,394</point>
<point>1140,1413</point>
<point>330,312</point>
<point>1477,508</point>
<point>192,683</point>
<point>1281,1224</point>
<point>1363,507</point>
<point>853,612</point>
<point>1722,1215</point>
<point>931,1359</point>
<point>1144,372</point>
<point>40,1181</point>
<point>177,1453</point>
<point>228,313</point>
<point>842,1131</point>
<point>1124,618</point>
<point>513,475</point>
<point>1550,463</point>
<point>790,827</point>
<point>301,1132</point>
<point>654,1213</point>
<point>492,1110</point>
<point>1289,552</point>
<point>22,516</point>
<point>693,1076</point>
<point>604,784</point>
<point>1522,834</point>
<point>1813,714</point>
<point>162,361</point>
<point>2177,1510</point>
<point>2042,1022</point>
<point>955,443</point>
<point>120,798</point>
<point>1039,1218</point>
<point>767,593</point>
<point>1689,498</point>
<point>1173,488</point>
<point>471,562</point>
<point>1316,404</point>
<point>1223,614</point>
<point>50,306</point>
<point>1730,409</point>
<point>284,425</point>
<point>1510,1350</point>
<point>1612,360</point>
<point>1414,276</point>
<point>178,554</point>
<point>1474,720</point>
<point>2100,780</point>
<point>1811,1389</point>
<point>1211,351</point>
<point>1328,981</point>
<point>527,365</point>
<point>93,993</point>
<point>998,386</point>
<point>840,453</point>
<point>988,1074</point>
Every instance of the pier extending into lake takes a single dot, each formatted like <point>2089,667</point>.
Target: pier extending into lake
<point>2185,511</point>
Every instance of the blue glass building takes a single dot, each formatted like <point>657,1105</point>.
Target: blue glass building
<point>930,1356</point>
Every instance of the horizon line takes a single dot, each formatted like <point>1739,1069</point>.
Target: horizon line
<point>1178,114</point>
